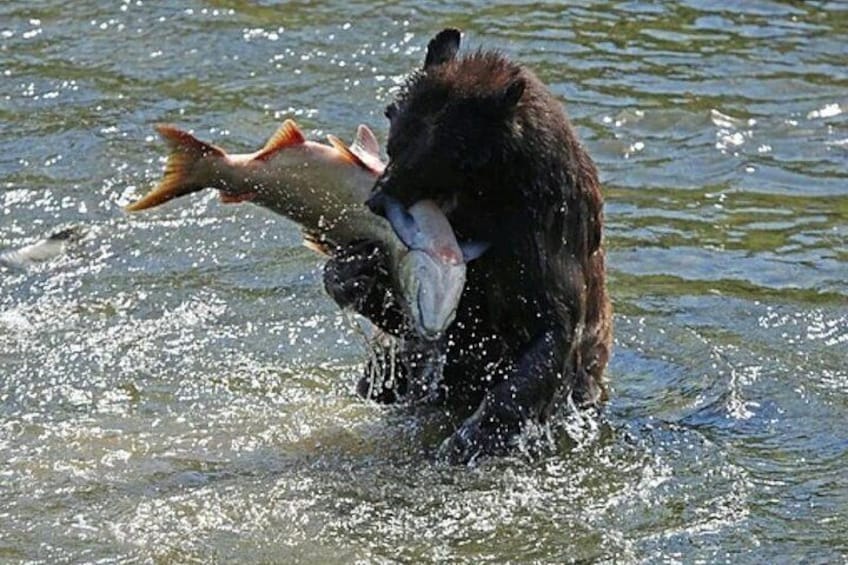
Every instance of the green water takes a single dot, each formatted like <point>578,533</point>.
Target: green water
<point>177,387</point>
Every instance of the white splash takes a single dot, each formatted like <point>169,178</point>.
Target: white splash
<point>828,111</point>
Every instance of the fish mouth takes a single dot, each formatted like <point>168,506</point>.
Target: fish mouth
<point>428,331</point>
<point>432,290</point>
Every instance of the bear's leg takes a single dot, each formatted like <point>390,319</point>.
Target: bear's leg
<point>403,366</point>
<point>525,394</point>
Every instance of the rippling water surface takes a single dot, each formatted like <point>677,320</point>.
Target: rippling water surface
<point>176,387</point>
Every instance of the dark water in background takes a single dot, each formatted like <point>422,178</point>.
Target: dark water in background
<point>177,387</point>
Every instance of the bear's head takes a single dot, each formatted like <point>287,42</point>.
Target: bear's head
<point>454,129</point>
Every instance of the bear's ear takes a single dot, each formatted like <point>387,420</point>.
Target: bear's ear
<point>443,47</point>
<point>508,98</point>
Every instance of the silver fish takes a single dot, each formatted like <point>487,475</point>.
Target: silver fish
<point>42,250</point>
<point>425,229</point>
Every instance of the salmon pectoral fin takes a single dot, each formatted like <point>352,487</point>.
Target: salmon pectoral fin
<point>286,135</point>
<point>314,242</point>
<point>367,148</point>
<point>365,143</point>
<point>178,180</point>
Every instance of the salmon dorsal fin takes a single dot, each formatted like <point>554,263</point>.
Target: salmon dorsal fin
<point>346,153</point>
<point>287,135</point>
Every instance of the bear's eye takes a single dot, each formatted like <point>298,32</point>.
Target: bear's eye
<point>391,111</point>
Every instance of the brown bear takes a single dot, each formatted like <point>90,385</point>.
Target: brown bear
<point>484,138</point>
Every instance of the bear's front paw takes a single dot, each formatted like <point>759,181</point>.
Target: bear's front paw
<point>352,273</point>
<point>482,434</point>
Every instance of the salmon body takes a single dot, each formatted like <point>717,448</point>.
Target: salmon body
<point>323,188</point>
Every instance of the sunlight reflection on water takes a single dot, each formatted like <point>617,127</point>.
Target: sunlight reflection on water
<point>176,386</point>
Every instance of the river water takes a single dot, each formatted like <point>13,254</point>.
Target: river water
<point>177,388</point>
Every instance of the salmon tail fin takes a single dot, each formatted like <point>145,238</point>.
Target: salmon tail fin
<point>178,180</point>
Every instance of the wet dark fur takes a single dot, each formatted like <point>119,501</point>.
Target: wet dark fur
<point>487,140</point>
